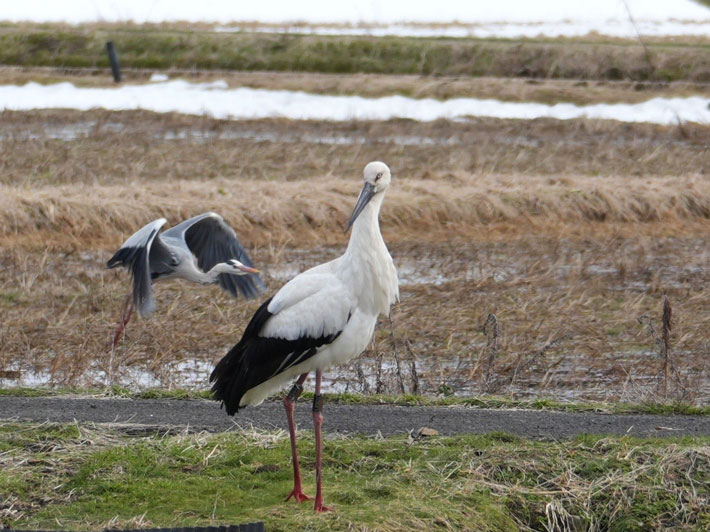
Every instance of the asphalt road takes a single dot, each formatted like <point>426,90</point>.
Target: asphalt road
<point>196,414</point>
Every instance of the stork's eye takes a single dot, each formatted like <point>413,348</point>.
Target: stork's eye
<point>378,176</point>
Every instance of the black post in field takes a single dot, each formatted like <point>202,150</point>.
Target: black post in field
<point>113,59</point>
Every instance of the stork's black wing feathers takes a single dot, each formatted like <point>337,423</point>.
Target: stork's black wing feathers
<point>256,359</point>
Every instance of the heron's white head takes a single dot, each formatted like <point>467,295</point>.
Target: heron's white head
<point>234,267</point>
<point>377,180</point>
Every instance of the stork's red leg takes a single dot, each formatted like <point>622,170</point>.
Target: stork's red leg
<point>290,405</point>
<point>125,318</point>
<point>317,424</point>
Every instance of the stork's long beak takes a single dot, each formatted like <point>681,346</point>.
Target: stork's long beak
<point>368,190</point>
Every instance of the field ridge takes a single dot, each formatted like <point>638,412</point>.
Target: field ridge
<point>290,212</point>
<point>163,47</point>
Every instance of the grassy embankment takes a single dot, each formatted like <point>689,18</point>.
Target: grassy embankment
<point>88,478</point>
<point>187,47</point>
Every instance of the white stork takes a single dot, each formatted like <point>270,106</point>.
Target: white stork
<point>203,249</point>
<point>322,317</point>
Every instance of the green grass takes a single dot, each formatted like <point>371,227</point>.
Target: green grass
<point>84,478</point>
<point>9,297</point>
<point>506,402</point>
<point>162,48</point>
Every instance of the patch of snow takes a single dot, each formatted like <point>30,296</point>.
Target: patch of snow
<point>622,28</point>
<point>216,99</point>
<point>597,15</point>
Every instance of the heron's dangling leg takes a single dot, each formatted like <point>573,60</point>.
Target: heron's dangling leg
<point>290,405</point>
<point>317,424</point>
<point>125,318</point>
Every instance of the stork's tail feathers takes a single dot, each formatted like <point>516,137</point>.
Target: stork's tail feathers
<point>225,377</point>
<point>257,359</point>
<point>231,377</point>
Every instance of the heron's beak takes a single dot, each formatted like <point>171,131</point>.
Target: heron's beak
<point>368,190</point>
<point>248,269</point>
<point>243,267</point>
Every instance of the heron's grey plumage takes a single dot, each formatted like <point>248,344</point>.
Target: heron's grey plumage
<point>135,256</point>
<point>212,241</point>
<point>188,250</point>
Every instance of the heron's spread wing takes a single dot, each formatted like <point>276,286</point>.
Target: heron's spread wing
<point>135,254</point>
<point>212,241</point>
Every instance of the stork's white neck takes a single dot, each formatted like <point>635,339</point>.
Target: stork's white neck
<point>368,264</point>
<point>366,227</point>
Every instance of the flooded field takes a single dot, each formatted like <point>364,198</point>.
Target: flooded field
<point>81,130</point>
<point>572,321</point>
<point>534,256</point>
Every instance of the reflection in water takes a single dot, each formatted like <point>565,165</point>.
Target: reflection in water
<point>568,381</point>
<point>79,130</point>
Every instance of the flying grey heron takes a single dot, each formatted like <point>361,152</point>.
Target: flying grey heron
<point>203,249</point>
<point>322,317</point>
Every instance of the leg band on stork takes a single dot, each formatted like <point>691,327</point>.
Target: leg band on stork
<point>295,392</point>
<point>318,403</point>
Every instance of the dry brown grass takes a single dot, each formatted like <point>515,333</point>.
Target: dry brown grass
<point>572,493</point>
<point>291,213</point>
<point>374,85</point>
<point>567,232</point>
<point>567,312</point>
<point>130,146</point>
